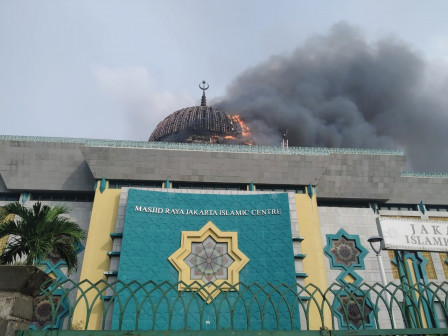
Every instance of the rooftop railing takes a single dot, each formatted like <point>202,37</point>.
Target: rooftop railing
<point>427,175</point>
<point>315,151</point>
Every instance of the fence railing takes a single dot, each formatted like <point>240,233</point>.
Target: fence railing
<point>162,306</point>
<point>204,147</point>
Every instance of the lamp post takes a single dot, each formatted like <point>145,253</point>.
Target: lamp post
<point>376,243</point>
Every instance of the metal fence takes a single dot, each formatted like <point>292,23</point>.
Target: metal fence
<point>339,310</point>
<point>205,147</point>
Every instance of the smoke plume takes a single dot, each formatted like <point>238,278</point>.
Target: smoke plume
<point>339,90</point>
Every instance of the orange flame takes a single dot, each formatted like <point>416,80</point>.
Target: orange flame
<point>244,128</point>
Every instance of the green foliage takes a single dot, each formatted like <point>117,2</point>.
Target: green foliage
<point>37,232</point>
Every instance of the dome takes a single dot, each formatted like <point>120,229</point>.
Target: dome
<point>198,124</point>
<point>204,124</point>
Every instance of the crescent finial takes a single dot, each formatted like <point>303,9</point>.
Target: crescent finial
<point>203,86</point>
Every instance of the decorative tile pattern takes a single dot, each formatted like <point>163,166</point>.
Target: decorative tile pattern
<point>434,218</point>
<point>392,265</point>
<point>345,251</point>
<point>430,269</point>
<point>208,256</point>
<point>351,314</point>
<point>209,260</point>
<point>347,254</point>
<point>42,312</point>
<point>442,255</point>
<point>443,260</point>
<point>416,263</point>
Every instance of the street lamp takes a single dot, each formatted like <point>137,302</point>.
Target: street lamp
<point>376,243</point>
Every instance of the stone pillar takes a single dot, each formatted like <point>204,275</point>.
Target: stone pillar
<point>18,286</point>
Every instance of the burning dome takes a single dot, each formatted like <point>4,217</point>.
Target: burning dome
<point>197,124</point>
<point>204,124</point>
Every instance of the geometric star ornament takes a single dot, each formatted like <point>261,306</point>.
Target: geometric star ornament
<point>355,310</point>
<point>345,251</point>
<point>207,259</point>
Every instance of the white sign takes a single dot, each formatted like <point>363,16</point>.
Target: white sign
<point>415,235</point>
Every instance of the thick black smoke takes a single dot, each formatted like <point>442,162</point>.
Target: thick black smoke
<point>339,90</point>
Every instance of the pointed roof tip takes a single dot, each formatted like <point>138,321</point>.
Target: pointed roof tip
<point>203,86</point>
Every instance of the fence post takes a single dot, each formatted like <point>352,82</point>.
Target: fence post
<point>18,286</point>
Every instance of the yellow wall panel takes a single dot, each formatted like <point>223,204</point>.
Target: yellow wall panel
<point>96,260</point>
<point>312,246</point>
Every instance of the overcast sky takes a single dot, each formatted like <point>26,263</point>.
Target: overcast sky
<point>114,69</point>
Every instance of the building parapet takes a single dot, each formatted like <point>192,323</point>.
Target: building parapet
<point>423,174</point>
<point>315,151</point>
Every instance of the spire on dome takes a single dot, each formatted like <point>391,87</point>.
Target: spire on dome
<point>204,87</point>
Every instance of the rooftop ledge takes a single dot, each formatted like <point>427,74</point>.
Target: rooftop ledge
<point>423,174</point>
<point>317,151</point>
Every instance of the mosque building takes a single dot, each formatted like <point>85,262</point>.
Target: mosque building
<point>198,203</point>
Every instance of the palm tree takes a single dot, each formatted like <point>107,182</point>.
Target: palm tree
<point>37,232</point>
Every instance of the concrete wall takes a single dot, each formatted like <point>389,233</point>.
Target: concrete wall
<point>202,166</point>
<point>2,186</point>
<point>26,165</point>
